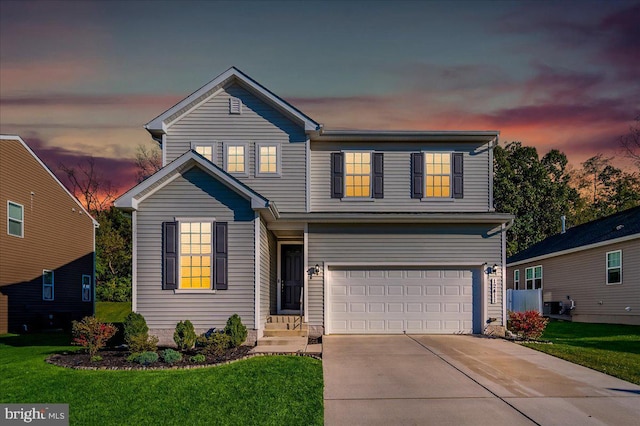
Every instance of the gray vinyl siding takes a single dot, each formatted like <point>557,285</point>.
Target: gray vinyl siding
<point>268,273</point>
<point>582,275</point>
<point>259,122</point>
<point>402,243</point>
<point>397,178</point>
<point>195,194</point>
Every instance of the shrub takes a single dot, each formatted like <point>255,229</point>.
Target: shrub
<point>198,359</point>
<point>96,358</point>
<point>145,358</point>
<point>92,334</point>
<point>134,325</point>
<point>215,344</point>
<point>185,335</point>
<point>235,330</point>
<point>529,324</point>
<point>171,356</point>
<point>143,343</point>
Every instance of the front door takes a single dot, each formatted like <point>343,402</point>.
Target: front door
<point>292,278</point>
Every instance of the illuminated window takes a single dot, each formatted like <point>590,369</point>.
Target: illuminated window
<point>206,150</point>
<point>15,217</point>
<point>357,175</point>
<point>47,284</point>
<point>236,158</point>
<point>614,267</point>
<point>267,159</point>
<point>438,174</point>
<point>195,255</point>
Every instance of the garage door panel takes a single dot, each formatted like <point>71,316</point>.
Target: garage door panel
<point>396,301</point>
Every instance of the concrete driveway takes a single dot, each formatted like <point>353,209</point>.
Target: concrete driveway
<point>465,380</point>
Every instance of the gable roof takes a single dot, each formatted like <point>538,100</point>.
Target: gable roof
<point>619,226</point>
<point>44,166</point>
<point>159,125</point>
<point>130,199</point>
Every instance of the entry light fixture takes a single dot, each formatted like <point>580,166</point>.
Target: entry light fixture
<point>490,269</point>
<point>314,270</point>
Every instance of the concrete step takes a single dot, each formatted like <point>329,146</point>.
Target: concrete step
<point>290,341</point>
<point>286,326</point>
<point>285,333</point>
<point>284,319</point>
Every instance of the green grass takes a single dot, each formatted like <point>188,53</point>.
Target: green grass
<point>112,311</point>
<point>609,348</point>
<point>269,390</point>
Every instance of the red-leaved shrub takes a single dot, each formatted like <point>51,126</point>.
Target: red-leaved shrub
<point>529,324</point>
<point>92,334</point>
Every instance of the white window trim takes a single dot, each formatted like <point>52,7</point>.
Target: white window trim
<point>516,281</point>
<point>212,288</point>
<point>533,279</point>
<point>9,219</point>
<point>213,146</point>
<point>607,268</point>
<point>52,285</point>
<point>424,177</point>
<point>246,158</point>
<point>278,172</point>
<point>82,288</point>
<point>344,167</point>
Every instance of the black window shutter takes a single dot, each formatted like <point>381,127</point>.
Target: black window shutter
<point>337,175</point>
<point>458,181</point>
<point>221,256</point>
<point>417,175</point>
<point>170,255</point>
<point>378,175</point>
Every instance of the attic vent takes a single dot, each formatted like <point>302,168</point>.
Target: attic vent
<point>235,106</point>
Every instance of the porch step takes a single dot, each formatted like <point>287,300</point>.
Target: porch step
<point>268,332</point>
<point>281,344</point>
<point>284,319</point>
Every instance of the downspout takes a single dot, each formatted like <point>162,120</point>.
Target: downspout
<point>505,228</point>
<point>95,226</point>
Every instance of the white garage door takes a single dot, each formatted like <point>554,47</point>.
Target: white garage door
<point>367,301</point>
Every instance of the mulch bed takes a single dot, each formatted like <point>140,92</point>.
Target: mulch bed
<point>116,359</point>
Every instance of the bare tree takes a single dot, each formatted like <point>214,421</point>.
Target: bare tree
<point>631,142</point>
<point>88,185</point>
<point>148,161</point>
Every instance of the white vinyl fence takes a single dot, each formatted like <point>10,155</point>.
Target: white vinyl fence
<point>524,300</point>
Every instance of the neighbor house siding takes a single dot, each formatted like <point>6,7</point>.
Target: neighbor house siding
<point>195,194</point>
<point>259,122</point>
<point>397,178</point>
<point>267,273</point>
<point>582,275</point>
<point>461,245</point>
<point>58,236</point>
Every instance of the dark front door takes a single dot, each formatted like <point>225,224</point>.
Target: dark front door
<point>292,278</point>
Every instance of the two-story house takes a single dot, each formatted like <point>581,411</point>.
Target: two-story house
<point>47,245</point>
<point>259,210</point>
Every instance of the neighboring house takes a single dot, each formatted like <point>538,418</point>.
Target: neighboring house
<point>46,246</point>
<point>597,264</point>
<point>259,210</point>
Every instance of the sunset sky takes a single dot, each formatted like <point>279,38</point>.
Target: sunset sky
<point>81,78</point>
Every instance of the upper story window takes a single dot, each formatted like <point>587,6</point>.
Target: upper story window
<point>533,277</point>
<point>268,159</point>
<point>15,219</point>
<point>47,284</point>
<point>437,174</point>
<point>357,174</point>
<point>516,279</point>
<point>614,267</point>
<point>195,255</point>
<point>236,158</point>
<point>207,150</point>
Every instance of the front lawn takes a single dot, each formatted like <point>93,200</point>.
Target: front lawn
<point>112,311</point>
<point>262,390</point>
<point>609,348</point>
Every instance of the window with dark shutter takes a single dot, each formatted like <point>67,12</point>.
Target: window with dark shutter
<point>169,255</point>
<point>457,174</point>
<point>221,256</point>
<point>337,175</point>
<point>378,175</point>
<point>417,175</point>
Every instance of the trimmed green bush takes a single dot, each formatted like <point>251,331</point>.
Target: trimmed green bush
<point>198,359</point>
<point>185,335</point>
<point>235,330</point>
<point>171,356</point>
<point>146,358</point>
<point>143,343</point>
<point>216,344</point>
<point>136,334</point>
